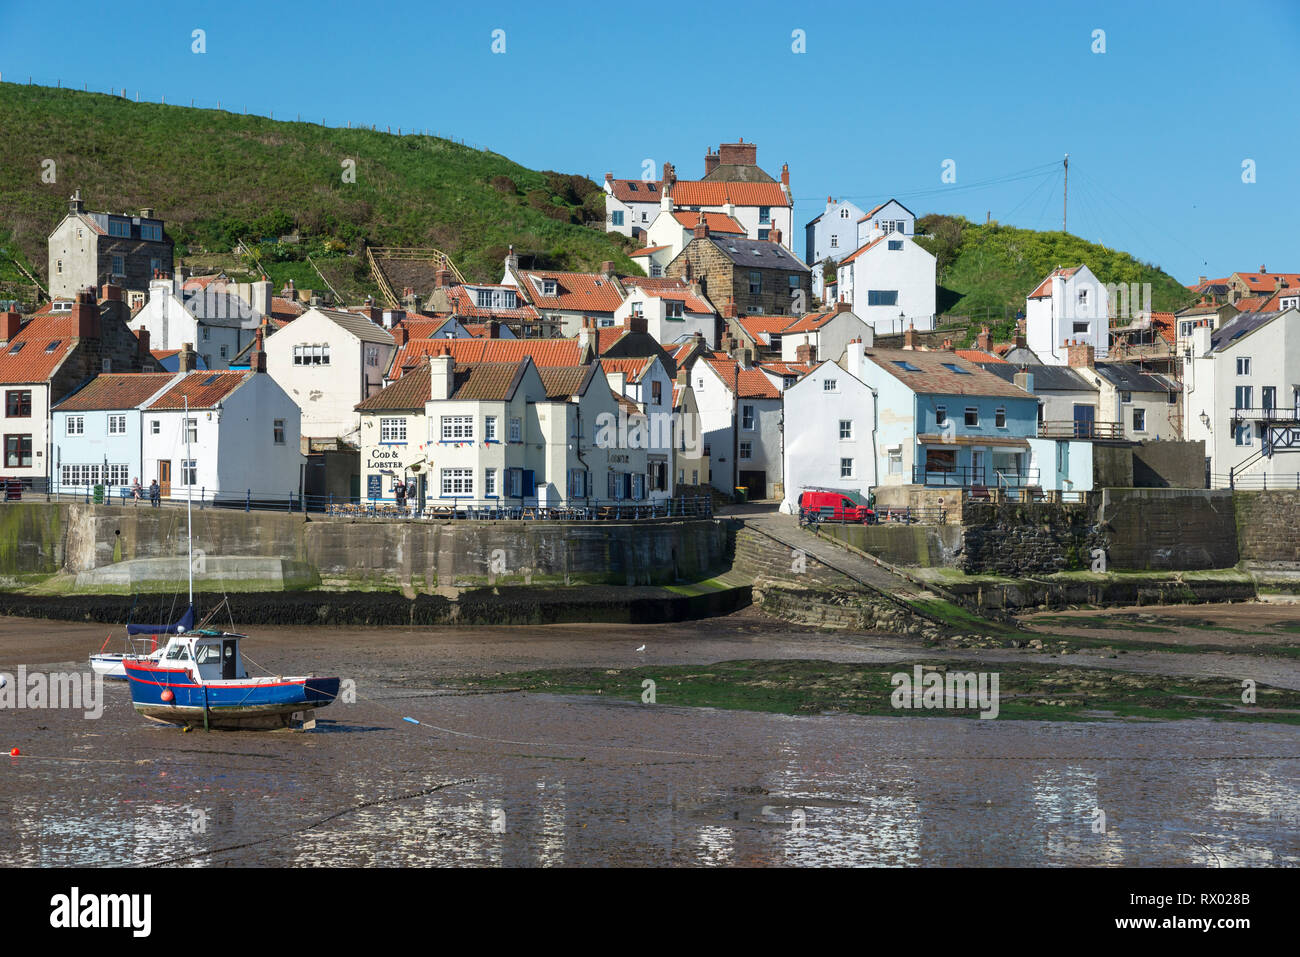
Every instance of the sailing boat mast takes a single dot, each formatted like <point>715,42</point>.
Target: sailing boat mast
<point>189,501</point>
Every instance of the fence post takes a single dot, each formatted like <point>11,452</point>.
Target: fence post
<point>248,500</point>
<point>1232,482</point>
<point>203,495</point>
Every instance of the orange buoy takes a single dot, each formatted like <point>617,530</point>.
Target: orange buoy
<point>167,695</point>
<point>14,752</point>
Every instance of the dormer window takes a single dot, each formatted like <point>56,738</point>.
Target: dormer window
<point>548,287</point>
<point>484,298</point>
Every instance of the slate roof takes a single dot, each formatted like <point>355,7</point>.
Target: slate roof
<point>116,390</point>
<point>1129,378</point>
<point>932,377</point>
<point>1243,323</point>
<point>359,326</point>
<point>758,254</point>
<point>1046,378</point>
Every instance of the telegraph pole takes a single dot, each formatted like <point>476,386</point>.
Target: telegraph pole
<point>1065,195</point>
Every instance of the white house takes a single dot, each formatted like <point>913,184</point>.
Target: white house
<point>834,447</point>
<point>630,204</point>
<point>219,322</point>
<point>241,427</point>
<point>740,425</point>
<point>890,283</point>
<point>674,310</point>
<point>675,228</point>
<point>328,361</point>
<point>647,384</point>
<point>1242,398</point>
<point>823,335</point>
<point>1070,305</point>
<point>832,234</point>
<point>889,218</point>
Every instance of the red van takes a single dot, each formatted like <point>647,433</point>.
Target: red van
<point>835,505</point>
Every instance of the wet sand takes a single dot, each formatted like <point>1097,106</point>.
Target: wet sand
<point>530,779</point>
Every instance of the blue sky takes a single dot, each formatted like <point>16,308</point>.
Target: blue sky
<point>1157,126</point>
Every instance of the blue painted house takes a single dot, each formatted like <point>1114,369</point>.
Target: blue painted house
<point>98,433</point>
<point>943,421</point>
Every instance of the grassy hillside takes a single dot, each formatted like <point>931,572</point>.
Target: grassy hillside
<point>217,177</point>
<point>985,271</point>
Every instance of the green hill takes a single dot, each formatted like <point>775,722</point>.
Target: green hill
<point>217,177</point>
<point>985,271</point>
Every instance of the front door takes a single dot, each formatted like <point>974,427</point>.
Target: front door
<point>228,660</point>
<point>165,477</point>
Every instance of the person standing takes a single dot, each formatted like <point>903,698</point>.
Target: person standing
<point>400,491</point>
<point>155,493</point>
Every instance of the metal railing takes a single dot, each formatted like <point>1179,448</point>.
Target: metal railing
<point>1256,481</point>
<point>1072,429</point>
<point>593,509</point>
<point>967,476</point>
<point>1284,413</point>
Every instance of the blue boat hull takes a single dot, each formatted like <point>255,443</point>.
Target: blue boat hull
<point>235,705</point>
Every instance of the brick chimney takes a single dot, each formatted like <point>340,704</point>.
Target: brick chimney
<point>947,345</point>
<point>1202,282</point>
<point>85,315</point>
<point>635,323</point>
<point>841,306</point>
<point>442,279</point>
<point>701,228</point>
<point>259,354</point>
<point>400,334</point>
<point>142,344</point>
<point>729,310</point>
<point>1021,341</point>
<point>785,175</point>
<point>373,312</point>
<point>710,161</point>
<point>10,323</point>
<point>774,234</point>
<point>909,337</point>
<point>494,329</point>
<point>984,340</point>
<point>806,352</point>
<point>1262,270</point>
<point>607,268</point>
<point>738,154</point>
<point>111,293</point>
<point>670,177</point>
<point>1080,355</point>
<point>186,358</point>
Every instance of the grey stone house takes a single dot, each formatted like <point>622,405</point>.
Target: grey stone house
<point>91,250</point>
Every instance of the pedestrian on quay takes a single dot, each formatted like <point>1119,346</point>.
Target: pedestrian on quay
<point>155,494</point>
<point>400,491</point>
<point>136,489</point>
<point>410,494</point>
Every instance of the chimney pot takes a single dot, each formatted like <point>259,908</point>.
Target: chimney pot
<point>185,361</point>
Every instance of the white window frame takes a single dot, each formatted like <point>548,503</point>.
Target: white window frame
<point>457,483</point>
<point>392,430</point>
<point>457,428</point>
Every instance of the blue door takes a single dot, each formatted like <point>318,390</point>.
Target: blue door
<point>1085,417</point>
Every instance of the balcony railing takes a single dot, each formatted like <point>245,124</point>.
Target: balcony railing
<point>1070,429</point>
<point>967,476</point>
<point>1284,413</point>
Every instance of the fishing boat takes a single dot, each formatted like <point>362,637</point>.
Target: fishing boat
<point>198,679</point>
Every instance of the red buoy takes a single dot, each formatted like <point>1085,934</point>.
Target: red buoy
<point>14,752</point>
<point>167,695</point>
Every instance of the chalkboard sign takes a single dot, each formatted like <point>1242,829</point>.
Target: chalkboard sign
<point>374,486</point>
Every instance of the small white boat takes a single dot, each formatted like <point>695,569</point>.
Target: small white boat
<point>112,665</point>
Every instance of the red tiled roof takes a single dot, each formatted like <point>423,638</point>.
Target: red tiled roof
<point>1165,325</point>
<point>787,368</point>
<point>116,390</point>
<point>717,222</point>
<point>810,322</point>
<point>574,291</point>
<point>1045,287</point>
<point>711,193</point>
<point>161,354</point>
<point>634,369</point>
<point>607,336</point>
<point>664,288</point>
<point>750,383</point>
<point>1251,304</point>
<point>979,355</point>
<point>544,352</point>
<point>421,327</point>
<point>760,325</point>
<point>1266,282</point>
<point>39,348</point>
<point>204,390</point>
<point>285,308</point>
<point>637,190</point>
<point>647,251</point>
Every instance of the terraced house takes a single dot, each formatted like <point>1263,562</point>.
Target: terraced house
<point>44,360</point>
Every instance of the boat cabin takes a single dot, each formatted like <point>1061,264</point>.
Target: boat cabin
<point>212,655</point>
